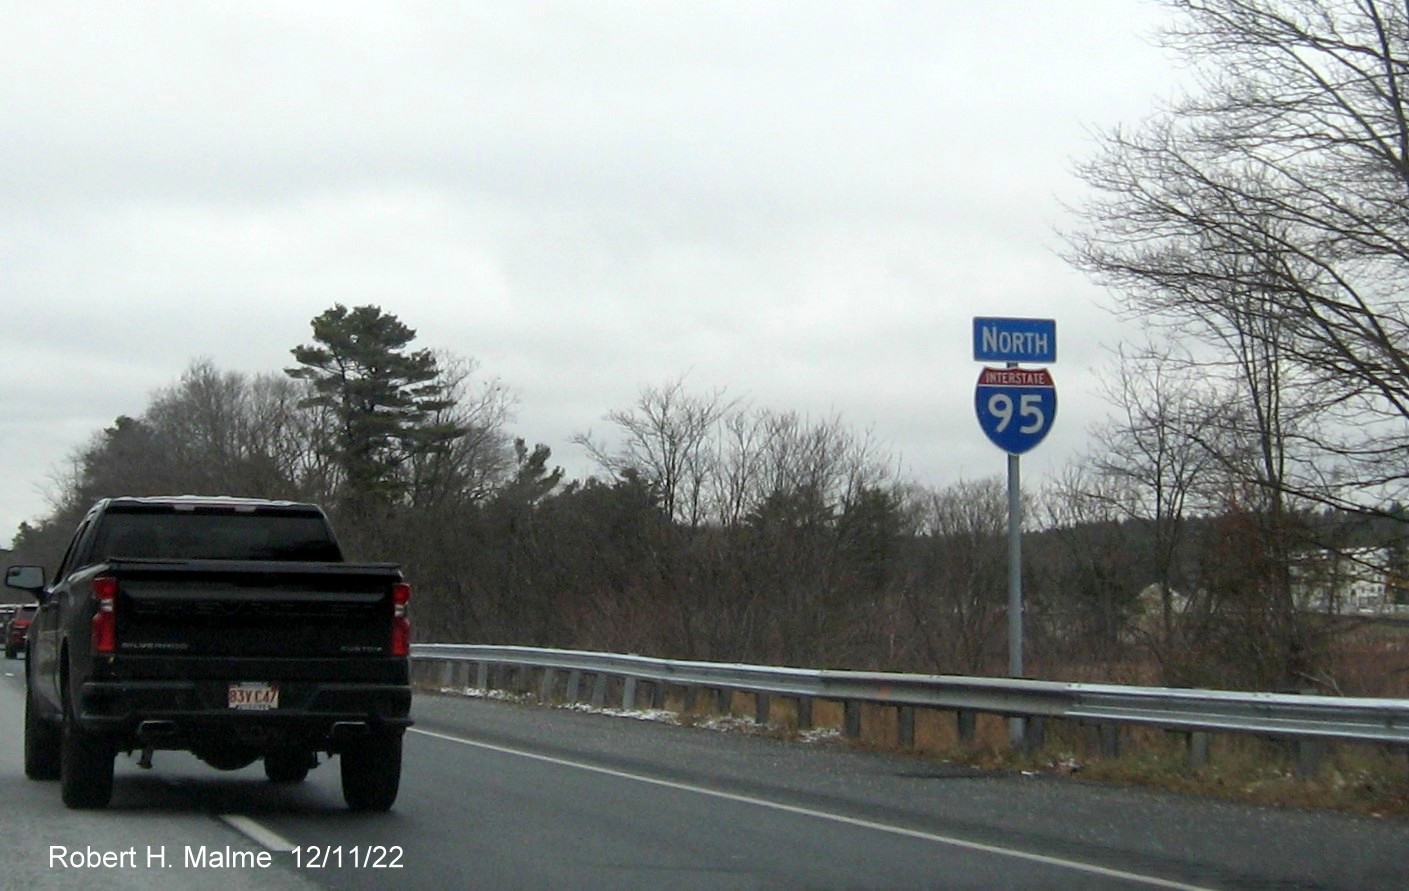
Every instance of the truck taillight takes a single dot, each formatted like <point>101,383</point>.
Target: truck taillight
<point>105,618</point>
<point>400,622</point>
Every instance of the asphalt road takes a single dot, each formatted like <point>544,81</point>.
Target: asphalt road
<point>500,796</point>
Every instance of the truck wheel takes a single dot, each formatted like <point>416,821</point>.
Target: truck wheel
<point>287,765</point>
<point>10,652</point>
<point>41,745</point>
<point>85,766</point>
<point>371,773</point>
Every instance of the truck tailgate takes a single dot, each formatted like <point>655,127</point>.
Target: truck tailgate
<point>243,608</point>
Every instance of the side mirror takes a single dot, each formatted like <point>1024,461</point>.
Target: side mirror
<point>25,578</point>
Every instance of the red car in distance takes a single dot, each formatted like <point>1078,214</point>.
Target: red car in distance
<point>16,628</point>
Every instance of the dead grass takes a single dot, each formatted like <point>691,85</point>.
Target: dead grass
<point>1362,779</point>
<point>1367,780</point>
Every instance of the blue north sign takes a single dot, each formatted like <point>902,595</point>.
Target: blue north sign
<point>1015,340</point>
<point>1015,406</point>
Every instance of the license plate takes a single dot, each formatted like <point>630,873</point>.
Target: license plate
<point>255,696</point>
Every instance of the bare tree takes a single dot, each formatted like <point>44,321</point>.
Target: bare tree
<point>823,518</point>
<point>1263,218</point>
<point>737,467</point>
<point>481,458</point>
<point>665,440</point>
<point>775,533</point>
<point>1089,560</point>
<point>955,586</point>
<point>227,432</point>
<point>1154,456</point>
<point>1264,213</point>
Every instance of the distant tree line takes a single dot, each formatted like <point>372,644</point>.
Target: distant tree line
<point>716,530</point>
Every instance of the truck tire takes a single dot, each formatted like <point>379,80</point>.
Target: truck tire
<point>287,765</point>
<point>41,744</point>
<point>85,766</point>
<point>10,652</point>
<point>371,773</point>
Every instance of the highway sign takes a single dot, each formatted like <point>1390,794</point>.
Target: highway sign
<point>1015,406</point>
<point>1015,340</point>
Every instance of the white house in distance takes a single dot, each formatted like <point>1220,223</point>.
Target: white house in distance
<point>1355,582</point>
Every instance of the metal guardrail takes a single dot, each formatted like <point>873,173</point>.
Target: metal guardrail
<point>1304,718</point>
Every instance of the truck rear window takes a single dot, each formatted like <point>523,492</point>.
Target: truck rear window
<point>214,535</point>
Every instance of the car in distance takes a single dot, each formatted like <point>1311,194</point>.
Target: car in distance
<point>16,629</point>
<point>7,612</point>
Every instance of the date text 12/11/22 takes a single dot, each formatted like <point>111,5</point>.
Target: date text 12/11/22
<point>351,857</point>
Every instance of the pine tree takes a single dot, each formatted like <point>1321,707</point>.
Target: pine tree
<point>382,399</point>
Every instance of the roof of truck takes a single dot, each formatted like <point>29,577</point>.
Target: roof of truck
<point>216,501</point>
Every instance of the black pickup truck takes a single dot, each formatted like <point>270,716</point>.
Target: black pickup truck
<point>227,627</point>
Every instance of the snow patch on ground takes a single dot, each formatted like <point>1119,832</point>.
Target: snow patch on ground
<point>717,723</point>
<point>476,693</point>
<point>731,724</point>
<point>653,714</point>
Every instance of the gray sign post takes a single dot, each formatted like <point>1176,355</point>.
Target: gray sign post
<point>1015,410</point>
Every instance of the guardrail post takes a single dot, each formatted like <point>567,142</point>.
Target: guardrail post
<point>851,711</point>
<point>1108,740</point>
<point>447,674</point>
<point>762,707</point>
<point>546,685</point>
<point>724,701</point>
<point>692,698</point>
<point>574,688</point>
<point>1034,734</point>
<point>482,676</point>
<point>1309,755</point>
<point>906,717</point>
<point>628,694</point>
<point>804,712</point>
<point>968,725</point>
<point>1197,743</point>
<point>658,691</point>
<point>599,690</point>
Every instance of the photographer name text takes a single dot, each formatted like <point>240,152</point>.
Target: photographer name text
<point>207,857</point>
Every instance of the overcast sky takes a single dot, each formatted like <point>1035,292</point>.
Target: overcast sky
<point>804,203</point>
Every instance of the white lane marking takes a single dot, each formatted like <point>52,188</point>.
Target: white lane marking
<point>258,833</point>
<point>1076,865</point>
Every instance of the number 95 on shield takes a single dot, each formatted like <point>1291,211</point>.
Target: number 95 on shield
<point>1015,406</point>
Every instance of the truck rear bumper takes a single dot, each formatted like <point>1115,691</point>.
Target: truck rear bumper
<point>168,714</point>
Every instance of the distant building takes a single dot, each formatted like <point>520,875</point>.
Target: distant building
<point>1147,618</point>
<point>1359,581</point>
